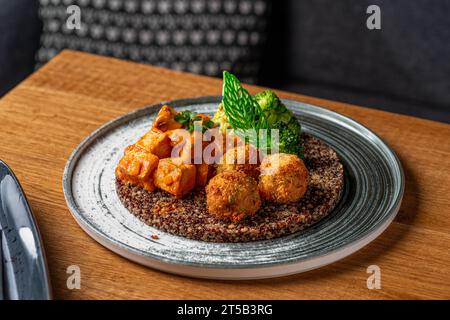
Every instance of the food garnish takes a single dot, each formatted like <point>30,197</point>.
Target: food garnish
<point>242,111</point>
<point>188,118</point>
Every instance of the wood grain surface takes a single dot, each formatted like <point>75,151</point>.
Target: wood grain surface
<point>46,117</point>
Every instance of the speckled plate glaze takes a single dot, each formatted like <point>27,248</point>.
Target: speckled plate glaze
<point>374,184</point>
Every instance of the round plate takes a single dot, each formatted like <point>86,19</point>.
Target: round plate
<point>374,184</point>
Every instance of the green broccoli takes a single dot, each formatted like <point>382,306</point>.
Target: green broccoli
<point>279,117</point>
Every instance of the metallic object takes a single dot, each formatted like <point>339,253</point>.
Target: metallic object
<point>25,273</point>
<point>2,296</point>
<point>374,186</point>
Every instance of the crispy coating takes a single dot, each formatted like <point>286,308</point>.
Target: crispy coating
<point>232,196</point>
<point>137,167</point>
<point>284,178</point>
<point>240,158</point>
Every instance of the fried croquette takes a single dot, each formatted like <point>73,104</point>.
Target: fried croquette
<point>232,196</point>
<point>241,158</point>
<point>284,178</point>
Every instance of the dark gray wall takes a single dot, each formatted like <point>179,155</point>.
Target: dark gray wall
<point>323,47</point>
<point>20,29</point>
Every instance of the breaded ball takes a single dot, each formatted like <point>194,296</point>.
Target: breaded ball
<point>232,196</point>
<point>284,178</point>
<point>242,158</point>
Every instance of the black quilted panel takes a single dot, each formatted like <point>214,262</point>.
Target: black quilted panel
<point>199,36</point>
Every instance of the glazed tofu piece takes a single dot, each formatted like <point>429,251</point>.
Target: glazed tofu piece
<point>181,144</point>
<point>137,167</point>
<point>156,142</point>
<point>192,148</point>
<point>174,176</point>
<point>202,175</point>
<point>178,136</point>
<point>165,119</point>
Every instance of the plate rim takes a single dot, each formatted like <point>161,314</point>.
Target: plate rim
<point>147,258</point>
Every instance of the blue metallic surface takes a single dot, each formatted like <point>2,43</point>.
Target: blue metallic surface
<point>25,273</point>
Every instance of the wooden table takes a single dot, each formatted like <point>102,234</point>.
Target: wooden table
<point>45,117</point>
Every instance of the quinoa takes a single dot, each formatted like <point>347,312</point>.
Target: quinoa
<point>188,216</point>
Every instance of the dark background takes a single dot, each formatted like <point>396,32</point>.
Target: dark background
<point>315,47</point>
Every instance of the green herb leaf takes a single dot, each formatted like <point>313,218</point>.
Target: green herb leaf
<point>187,119</point>
<point>242,109</point>
<point>208,124</point>
<point>183,117</point>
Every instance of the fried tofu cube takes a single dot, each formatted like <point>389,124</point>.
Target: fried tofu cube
<point>137,167</point>
<point>174,176</point>
<point>156,142</point>
<point>203,174</point>
<point>178,136</point>
<point>181,144</point>
<point>192,148</point>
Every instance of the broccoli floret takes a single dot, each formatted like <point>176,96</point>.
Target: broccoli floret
<point>289,138</point>
<point>273,108</point>
<point>268,100</point>
<point>281,118</point>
